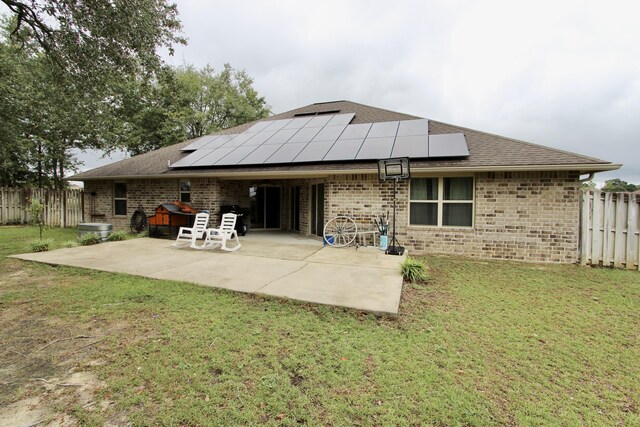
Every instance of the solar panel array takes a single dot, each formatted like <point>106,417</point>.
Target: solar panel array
<point>321,138</point>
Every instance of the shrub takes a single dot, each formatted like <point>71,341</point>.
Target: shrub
<point>414,270</point>
<point>89,239</point>
<point>69,244</point>
<point>40,245</point>
<point>117,236</point>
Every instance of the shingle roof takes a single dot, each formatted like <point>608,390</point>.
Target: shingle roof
<point>487,151</point>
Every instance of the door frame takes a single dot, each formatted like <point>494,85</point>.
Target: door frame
<point>319,229</point>
<point>264,208</point>
<point>294,207</point>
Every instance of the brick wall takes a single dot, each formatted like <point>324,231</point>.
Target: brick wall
<point>149,193</point>
<point>530,216</point>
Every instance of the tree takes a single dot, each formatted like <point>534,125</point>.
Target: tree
<point>184,103</point>
<point>43,116</point>
<point>95,41</point>
<point>36,214</point>
<point>618,185</point>
<point>15,150</point>
<point>210,101</point>
<point>588,185</point>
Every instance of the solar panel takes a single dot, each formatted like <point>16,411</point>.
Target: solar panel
<point>344,149</point>
<point>318,121</point>
<point>304,135</point>
<point>329,133</point>
<point>448,145</point>
<point>314,152</point>
<point>286,153</point>
<point>382,129</point>
<point>278,124</point>
<point>218,142</point>
<point>258,126</point>
<point>213,156</point>
<point>239,140</point>
<point>281,136</point>
<point>411,146</point>
<point>413,127</point>
<point>356,131</point>
<point>191,158</point>
<point>297,123</point>
<point>260,137</point>
<point>260,154</point>
<point>234,157</point>
<point>322,138</point>
<point>375,148</point>
<point>199,142</point>
<point>341,119</point>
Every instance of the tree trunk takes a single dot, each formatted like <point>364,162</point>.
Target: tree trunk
<point>39,164</point>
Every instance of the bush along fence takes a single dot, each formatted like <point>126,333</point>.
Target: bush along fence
<point>62,208</point>
<point>610,229</point>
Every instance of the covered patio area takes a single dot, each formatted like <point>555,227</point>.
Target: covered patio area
<point>270,263</point>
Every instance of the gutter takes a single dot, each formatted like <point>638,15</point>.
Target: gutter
<point>582,168</point>
<point>588,178</point>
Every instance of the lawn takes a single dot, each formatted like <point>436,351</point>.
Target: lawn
<point>483,342</point>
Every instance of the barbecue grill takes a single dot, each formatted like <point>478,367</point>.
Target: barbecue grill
<point>241,227</point>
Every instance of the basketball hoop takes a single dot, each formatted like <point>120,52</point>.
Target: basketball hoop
<point>396,169</point>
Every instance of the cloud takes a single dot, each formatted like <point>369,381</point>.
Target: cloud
<point>564,74</point>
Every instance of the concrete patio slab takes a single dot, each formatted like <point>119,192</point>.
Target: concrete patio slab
<point>276,264</point>
<point>364,288</point>
<point>244,274</point>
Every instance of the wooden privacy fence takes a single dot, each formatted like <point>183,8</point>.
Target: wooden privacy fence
<point>62,208</point>
<point>609,229</point>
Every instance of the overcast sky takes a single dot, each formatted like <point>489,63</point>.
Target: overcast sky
<point>560,73</point>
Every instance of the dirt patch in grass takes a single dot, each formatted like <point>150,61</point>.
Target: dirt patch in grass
<point>45,360</point>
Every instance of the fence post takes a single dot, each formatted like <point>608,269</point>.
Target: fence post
<point>632,227</point>
<point>596,223</point>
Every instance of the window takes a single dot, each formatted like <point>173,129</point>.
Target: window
<point>185,191</point>
<point>120,198</point>
<point>441,202</point>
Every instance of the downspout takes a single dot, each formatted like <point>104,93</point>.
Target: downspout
<point>581,224</point>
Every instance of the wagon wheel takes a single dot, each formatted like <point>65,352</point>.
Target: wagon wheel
<point>340,231</point>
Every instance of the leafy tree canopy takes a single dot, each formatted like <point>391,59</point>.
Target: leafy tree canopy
<point>85,74</point>
<point>618,185</point>
<point>97,40</point>
<point>184,103</point>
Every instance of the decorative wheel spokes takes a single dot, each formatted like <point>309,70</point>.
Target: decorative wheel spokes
<point>340,231</point>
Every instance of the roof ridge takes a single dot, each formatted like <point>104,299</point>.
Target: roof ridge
<point>385,109</point>
<point>346,101</point>
<point>546,147</point>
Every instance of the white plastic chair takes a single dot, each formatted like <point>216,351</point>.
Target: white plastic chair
<point>190,234</point>
<point>215,237</point>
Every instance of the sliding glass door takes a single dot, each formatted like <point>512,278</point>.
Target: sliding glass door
<point>265,205</point>
<point>317,209</point>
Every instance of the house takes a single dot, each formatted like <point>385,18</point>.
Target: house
<point>470,193</point>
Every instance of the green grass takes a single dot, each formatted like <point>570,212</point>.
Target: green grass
<point>16,239</point>
<point>482,343</point>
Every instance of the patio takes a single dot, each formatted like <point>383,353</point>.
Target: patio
<point>277,264</point>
